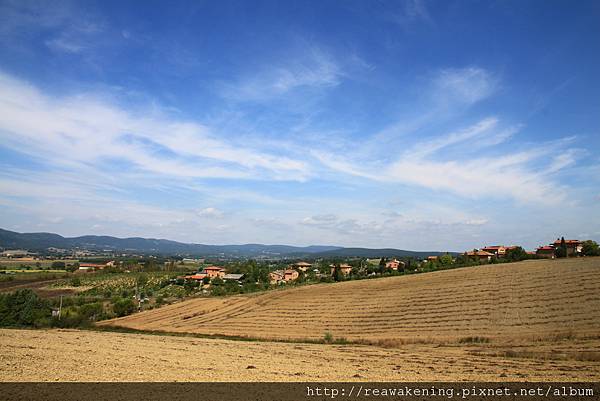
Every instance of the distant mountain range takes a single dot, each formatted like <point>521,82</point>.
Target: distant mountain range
<point>43,241</point>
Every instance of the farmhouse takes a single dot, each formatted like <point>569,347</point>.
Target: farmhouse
<point>395,264</point>
<point>90,266</point>
<point>234,277</point>
<point>480,255</point>
<point>497,250</point>
<point>283,276</point>
<point>214,271</point>
<point>545,252</point>
<point>344,268</point>
<point>196,277</point>
<point>304,266</point>
<point>574,247</point>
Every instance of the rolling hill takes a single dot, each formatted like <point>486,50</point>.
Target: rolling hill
<point>42,241</point>
<point>541,298</point>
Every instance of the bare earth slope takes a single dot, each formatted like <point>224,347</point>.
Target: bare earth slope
<point>540,299</point>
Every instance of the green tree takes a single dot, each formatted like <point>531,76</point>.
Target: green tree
<point>445,260</point>
<point>123,307</point>
<point>590,248</point>
<point>516,254</point>
<point>24,308</point>
<point>58,265</point>
<point>561,250</point>
<point>382,263</point>
<point>91,311</point>
<point>337,273</point>
<point>73,267</point>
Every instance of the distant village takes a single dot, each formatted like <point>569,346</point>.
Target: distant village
<point>293,271</point>
<point>72,288</point>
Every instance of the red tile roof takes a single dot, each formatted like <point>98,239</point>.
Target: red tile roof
<point>90,265</point>
<point>568,242</point>
<point>213,268</point>
<point>479,253</point>
<point>198,276</point>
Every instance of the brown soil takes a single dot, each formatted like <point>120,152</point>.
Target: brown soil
<point>71,355</point>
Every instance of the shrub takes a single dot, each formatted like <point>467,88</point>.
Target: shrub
<point>590,248</point>
<point>474,340</point>
<point>123,307</point>
<point>91,311</point>
<point>23,308</point>
<point>328,337</point>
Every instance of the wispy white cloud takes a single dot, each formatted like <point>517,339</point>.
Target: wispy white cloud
<point>464,85</point>
<point>441,96</point>
<point>312,68</point>
<point>521,175</point>
<point>86,129</point>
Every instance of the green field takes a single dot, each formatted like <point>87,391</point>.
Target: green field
<point>18,264</point>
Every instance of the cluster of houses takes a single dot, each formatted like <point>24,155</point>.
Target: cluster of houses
<point>281,276</point>
<point>292,273</point>
<point>17,253</point>
<point>573,247</point>
<point>485,254</point>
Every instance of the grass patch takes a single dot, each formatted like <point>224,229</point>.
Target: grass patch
<point>474,340</point>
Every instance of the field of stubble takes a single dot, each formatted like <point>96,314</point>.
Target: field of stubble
<point>542,298</point>
<point>71,355</point>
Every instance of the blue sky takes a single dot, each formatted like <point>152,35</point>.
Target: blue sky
<point>426,125</point>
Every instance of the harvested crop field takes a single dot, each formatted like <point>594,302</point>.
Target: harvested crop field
<point>72,355</point>
<point>527,300</point>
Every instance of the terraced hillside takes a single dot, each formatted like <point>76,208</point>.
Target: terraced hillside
<point>542,298</point>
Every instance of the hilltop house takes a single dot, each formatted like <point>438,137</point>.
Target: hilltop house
<point>304,266</point>
<point>214,271</point>
<point>344,268</point>
<point>574,247</point>
<point>482,256</point>
<point>395,264</point>
<point>283,276</point>
<point>498,250</point>
<point>545,252</point>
